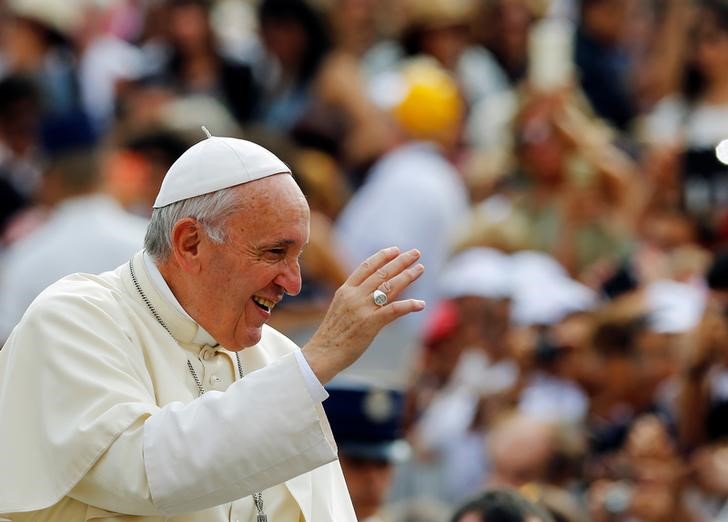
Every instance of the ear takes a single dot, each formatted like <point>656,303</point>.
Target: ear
<point>186,237</point>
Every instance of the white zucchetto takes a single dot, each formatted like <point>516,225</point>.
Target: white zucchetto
<point>216,163</point>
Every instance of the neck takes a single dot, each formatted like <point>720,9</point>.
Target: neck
<point>172,276</point>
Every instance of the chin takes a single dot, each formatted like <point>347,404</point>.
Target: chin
<point>249,340</point>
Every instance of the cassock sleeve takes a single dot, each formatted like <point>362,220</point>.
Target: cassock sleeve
<point>80,419</point>
<point>262,431</point>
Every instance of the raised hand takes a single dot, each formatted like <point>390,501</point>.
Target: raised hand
<point>354,319</point>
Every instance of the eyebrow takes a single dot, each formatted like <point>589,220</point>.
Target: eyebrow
<point>280,243</point>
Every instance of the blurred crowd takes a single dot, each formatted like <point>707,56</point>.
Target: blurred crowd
<point>553,160</point>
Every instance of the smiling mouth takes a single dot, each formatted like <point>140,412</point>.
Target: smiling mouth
<point>263,304</point>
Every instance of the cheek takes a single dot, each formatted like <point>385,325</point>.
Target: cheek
<point>245,315</point>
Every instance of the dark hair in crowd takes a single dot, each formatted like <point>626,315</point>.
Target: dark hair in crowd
<point>14,91</point>
<point>618,337</point>
<point>77,169</point>
<point>300,13</point>
<point>717,275</point>
<point>163,146</point>
<point>501,505</point>
<point>693,80</point>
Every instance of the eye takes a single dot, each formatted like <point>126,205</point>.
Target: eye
<point>274,254</point>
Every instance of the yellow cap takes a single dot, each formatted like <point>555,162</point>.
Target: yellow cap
<point>431,107</point>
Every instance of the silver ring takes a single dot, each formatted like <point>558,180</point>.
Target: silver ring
<point>380,298</point>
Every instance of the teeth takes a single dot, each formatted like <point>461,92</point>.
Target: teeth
<point>268,304</point>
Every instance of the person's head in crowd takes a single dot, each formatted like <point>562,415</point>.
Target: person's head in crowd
<point>69,174</point>
<point>646,485</point>
<point>294,33</point>
<point>616,339</point>
<point>20,109</point>
<point>189,30</point>
<point>134,171</point>
<point>478,281</point>
<point>666,247</point>
<point>672,310</point>
<point>443,342</point>
<point>708,64</point>
<point>564,349</point>
<point>668,229</point>
<point>522,450</point>
<point>500,505</point>
<point>648,441</point>
<point>671,238</point>
<point>604,20</point>
<point>506,24</point>
<point>425,103</point>
<point>35,28</point>
<point>704,358</point>
<point>438,28</point>
<point>322,180</point>
<point>709,463</point>
<point>636,346</point>
<point>353,24</point>
<point>658,353</point>
<point>367,426</point>
<point>539,147</point>
<point>558,502</point>
<point>544,292</point>
<point>196,63</point>
<point>551,133</point>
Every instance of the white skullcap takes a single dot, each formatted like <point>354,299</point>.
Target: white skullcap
<point>214,164</point>
<point>479,271</point>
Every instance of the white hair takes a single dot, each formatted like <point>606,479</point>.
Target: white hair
<point>211,210</point>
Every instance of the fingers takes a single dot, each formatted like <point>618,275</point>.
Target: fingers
<point>371,265</point>
<point>394,286</point>
<point>398,309</point>
<point>382,278</point>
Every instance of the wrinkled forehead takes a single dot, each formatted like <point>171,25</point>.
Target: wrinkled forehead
<point>279,192</point>
<point>272,206</point>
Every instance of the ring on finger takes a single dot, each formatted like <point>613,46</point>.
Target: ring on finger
<point>380,298</point>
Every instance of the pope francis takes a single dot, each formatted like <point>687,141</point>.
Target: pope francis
<point>157,392</point>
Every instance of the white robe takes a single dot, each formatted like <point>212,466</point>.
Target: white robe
<point>100,417</point>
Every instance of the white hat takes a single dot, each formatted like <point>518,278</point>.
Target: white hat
<point>478,271</point>
<point>543,292</point>
<point>62,16</point>
<point>214,164</point>
<point>674,307</point>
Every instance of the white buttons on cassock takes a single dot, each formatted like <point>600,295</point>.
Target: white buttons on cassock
<point>207,352</point>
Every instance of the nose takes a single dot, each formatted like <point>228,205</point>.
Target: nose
<point>289,277</point>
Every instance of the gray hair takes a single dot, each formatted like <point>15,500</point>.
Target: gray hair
<point>211,210</point>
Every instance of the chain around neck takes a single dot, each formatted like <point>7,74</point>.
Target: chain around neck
<point>257,497</point>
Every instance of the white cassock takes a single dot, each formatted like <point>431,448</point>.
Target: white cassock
<point>101,416</point>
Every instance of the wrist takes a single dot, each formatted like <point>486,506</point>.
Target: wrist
<point>320,363</point>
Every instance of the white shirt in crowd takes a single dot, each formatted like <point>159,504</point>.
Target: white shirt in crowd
<point>88,234</point>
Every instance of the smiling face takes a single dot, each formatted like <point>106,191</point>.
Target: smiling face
<point>241,279</point>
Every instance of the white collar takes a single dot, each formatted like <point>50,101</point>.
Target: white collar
<point>155,276</point>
